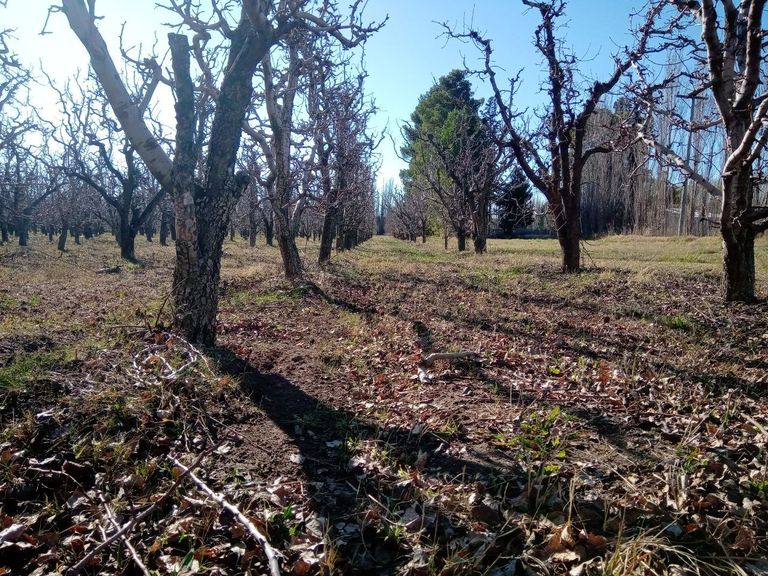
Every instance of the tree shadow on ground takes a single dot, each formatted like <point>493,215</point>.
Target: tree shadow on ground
<point>348,488</point>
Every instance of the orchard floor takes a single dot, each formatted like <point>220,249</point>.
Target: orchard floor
<point>609,422</point>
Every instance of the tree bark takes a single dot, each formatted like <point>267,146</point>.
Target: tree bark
<point>164,228</point>
<point>126,238</point>
<point>22,229</point>
<point>568,224</point>
<point>738,284</point>
<point>329,226</point>
<point>62,246</point>
<point>292,265</point>
<point>461,237</point>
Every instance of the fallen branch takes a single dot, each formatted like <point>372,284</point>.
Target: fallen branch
<point>124,538</point>
<point>128,526</point>
<point>430,359</point>
<point>269,552</point>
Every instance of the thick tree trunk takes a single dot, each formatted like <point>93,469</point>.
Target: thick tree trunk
<point>480,222</point>
<point>738,282</point>
<point>569,237</point>
<point>126,238</point>
<point>292,266</point>
<point>269,231</point>
<point>329,226</point>
<point>62,246</point>
<point>4,233</point>
<point>22,230</point>
<point>128,246</point>
<point>461,237</point>
<point>198,268</point>
<point>164,229</point>
<point>738,265</point>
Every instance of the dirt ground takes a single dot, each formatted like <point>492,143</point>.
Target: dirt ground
<point>609,422</point>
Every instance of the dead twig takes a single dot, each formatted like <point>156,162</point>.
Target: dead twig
<point>124,538</point>
<point>269,552</point>
<point>128,526</point>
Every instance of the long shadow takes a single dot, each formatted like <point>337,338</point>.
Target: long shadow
<point>343,487</point>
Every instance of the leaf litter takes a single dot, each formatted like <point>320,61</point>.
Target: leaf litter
<point>612,426</point>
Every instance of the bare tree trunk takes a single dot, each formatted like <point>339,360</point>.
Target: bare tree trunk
<point>22,229</point>
<point>329,226</point>
<point>480,217</point>
<point>164,227</point>
<point>568,226</point>
<point>461,237</point>
<point>288,251</point>
<point>62,246</point>
<point>127,240</point>
<point>738,241</point>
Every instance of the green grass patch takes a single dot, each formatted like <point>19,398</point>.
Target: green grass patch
<point>26,368</point>
<point>8,303</point>
<point>677,322</point>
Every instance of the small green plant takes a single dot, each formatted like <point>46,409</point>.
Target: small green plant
<point>283,526</point>
<point>677,322</point>
<point>449,429</point>
<point>759,487</point>
<point>690,459</point>
<point>540,449</point>
<point>8,303</point>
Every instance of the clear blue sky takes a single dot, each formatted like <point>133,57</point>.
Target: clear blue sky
<point>403,60</point>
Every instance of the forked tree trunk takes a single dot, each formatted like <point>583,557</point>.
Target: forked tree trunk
<point>197,272</point>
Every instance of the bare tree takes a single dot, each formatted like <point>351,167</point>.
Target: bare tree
<point>732,52</point>
<point>204,198</point>
<point>114,171</point>
<point>410,213</point>
<point>553,155</point>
